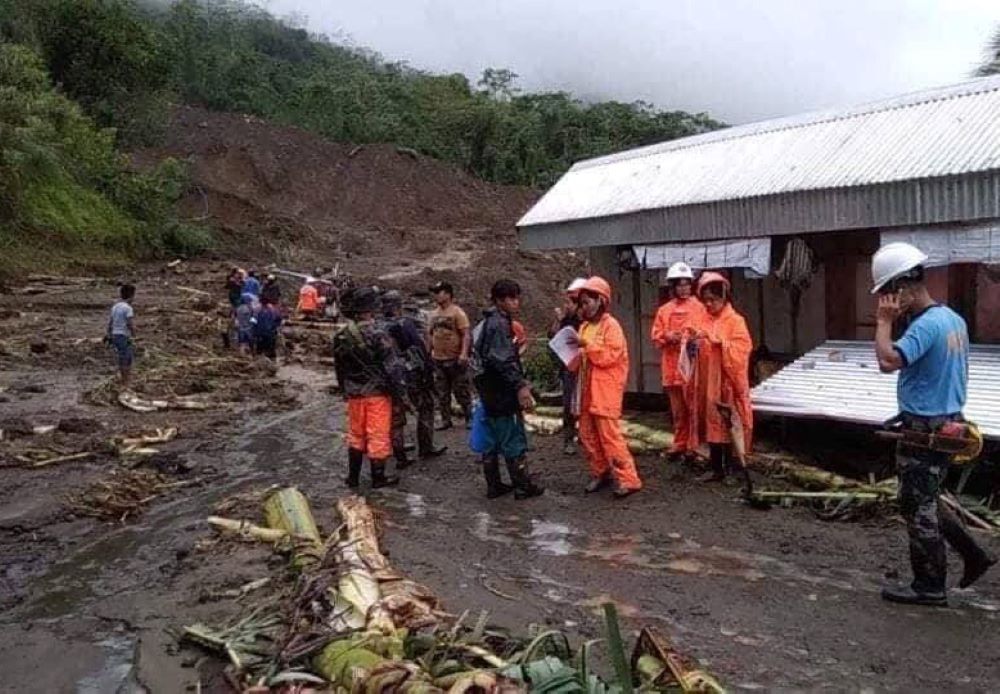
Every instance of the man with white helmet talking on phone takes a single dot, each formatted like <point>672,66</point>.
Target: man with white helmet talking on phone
<point>931,357</point>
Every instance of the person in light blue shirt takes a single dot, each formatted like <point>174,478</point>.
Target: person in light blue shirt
<point>935,371</point>
<point>932,358</point>
<point>251,285</point>
<point>121,332</point>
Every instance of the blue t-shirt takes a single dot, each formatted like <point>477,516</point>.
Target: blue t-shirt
<point>935,349</point>
<point>251,285</point>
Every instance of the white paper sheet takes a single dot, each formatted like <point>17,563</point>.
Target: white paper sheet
<point>563,343</point>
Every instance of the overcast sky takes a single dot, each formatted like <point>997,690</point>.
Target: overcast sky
<point>739,60</point>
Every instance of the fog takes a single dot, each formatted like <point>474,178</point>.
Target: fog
<point>739,60</point>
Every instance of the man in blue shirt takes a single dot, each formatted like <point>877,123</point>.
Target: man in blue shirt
<point>932,358</point>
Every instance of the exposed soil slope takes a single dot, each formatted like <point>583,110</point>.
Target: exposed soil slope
<point>388,215</point>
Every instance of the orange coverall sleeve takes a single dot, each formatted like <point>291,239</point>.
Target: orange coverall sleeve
<point>660,323</point>
<point>608,347</point>
<point>736,348</point>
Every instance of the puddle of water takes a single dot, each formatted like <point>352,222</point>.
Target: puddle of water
<point>673,552</point>
<point>416,505</point>
<point>117,674</point>
<point>550,538</point>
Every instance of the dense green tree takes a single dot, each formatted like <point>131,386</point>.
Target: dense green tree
<point>121,61</point>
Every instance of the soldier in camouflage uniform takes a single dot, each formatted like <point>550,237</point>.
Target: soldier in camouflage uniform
<point>370,375</point>
<point>410,346</point>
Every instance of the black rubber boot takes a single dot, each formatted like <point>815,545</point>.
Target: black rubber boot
<point>494,485</point>
<point>354,460</point>
<point>596,484</point>
<point>379,478</point>
<point>524,488</point>
<point>908,596</point>
<point>717,459</point>
<point>402,461</point>
<point>433,452</point>
<point>976,559</point>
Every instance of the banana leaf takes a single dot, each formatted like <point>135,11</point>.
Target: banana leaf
<point>288,510</point>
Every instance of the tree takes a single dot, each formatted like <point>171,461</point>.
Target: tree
<point>498,83</point>
<point>109,60</point>
<point>991,66</point>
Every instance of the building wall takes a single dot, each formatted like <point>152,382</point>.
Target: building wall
<point>987,309</point>
<point>838,304</point>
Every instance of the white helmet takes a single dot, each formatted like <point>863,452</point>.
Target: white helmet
<point>893,260</point>
<point>576,285</point>
<point>680,271</point>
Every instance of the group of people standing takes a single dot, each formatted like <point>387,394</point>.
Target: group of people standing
<point>389,363</point>
<point>706,348</point>
<point>392,360</point>
<point>256,312</point>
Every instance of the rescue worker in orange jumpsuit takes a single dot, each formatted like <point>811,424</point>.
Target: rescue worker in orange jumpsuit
<point>370,375</point>
<point>673,328</point>
<point>603,371</point>
<point>308,306</point>
<point>723,378</point>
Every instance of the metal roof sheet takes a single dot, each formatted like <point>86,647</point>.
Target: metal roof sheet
<point>942,132</point>
<point>841,381</point>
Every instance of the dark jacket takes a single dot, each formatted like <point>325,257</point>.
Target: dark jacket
<point>365,361</point>
<point>271,293</point>
<point>412,350</point>
<point>497,371</point>
<point>268,322</point>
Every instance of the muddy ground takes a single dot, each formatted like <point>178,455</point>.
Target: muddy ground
<point>767,600</point>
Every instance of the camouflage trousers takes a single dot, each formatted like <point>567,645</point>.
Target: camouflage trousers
<point>451,377</point>
<point>423,402</point>
<point>929,523</point>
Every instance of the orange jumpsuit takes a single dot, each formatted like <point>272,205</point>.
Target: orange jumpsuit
<point>603,371</point>
<point>369,425</point>
<point>723,375</point>
<point>308,299</point>
<point>678,316</point>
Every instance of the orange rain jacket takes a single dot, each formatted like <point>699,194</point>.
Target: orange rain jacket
<point>675,316</point>
<point>308,298</point>
<point>723,374</point>
<point>604,367</point>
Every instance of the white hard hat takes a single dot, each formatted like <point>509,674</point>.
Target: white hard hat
<point>576,285</point>
<point>680,271</point>
<point>893,260</point>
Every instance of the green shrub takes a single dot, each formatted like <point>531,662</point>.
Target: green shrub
<point>541,367</point>
<point>64,187</point>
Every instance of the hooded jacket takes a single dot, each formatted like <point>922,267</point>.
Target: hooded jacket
<point>496,364</point>
<point>604,367</point>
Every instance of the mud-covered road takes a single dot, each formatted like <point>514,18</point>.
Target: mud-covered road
<point>767,600</point>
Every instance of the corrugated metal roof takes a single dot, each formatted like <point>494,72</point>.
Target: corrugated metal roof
<point>841,381</point>
<point>947,132</point>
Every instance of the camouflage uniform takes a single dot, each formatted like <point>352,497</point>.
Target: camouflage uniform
<point>929,523</point>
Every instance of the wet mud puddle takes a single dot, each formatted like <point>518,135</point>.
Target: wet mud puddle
<point>122,560</point>
<point>669,552</point>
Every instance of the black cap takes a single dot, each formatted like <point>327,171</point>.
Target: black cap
<point>443,287</point>
<point>364,299</point>
<point>392,299</point>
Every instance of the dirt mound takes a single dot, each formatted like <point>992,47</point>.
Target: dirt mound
<point>384,214</point>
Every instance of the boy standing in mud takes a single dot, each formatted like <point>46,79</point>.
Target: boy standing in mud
<point>121,333</point>
<point>505,393</point>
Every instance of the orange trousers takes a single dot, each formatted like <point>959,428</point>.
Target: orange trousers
<point>369,425</point>
<point>680,413</point>
<point>607,451</point>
